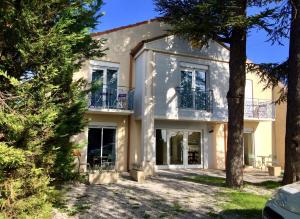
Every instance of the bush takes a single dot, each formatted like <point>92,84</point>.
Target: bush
<point>23,187</point>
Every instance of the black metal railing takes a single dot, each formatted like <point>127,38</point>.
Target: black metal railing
<point>195,99</point>
<point>105,97</point>
<point>259,109</point>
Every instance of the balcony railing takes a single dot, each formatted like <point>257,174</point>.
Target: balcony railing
<point>120,98</point>
<point>259,109</point>
<point>195,99</point>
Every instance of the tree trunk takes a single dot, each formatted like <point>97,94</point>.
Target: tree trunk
<point>235,99</point>
<point>292,138</point>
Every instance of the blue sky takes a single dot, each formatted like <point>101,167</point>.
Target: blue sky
<point>124,12</point>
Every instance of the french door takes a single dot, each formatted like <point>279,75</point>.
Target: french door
<point>105,92</point>
<point>179,148</point>
<point>101,146</point>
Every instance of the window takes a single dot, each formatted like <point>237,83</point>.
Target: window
<point>101,147</point>
<point>192,89</point>
<point>105,82</point>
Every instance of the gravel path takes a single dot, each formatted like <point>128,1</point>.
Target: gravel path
<point>165,195</point>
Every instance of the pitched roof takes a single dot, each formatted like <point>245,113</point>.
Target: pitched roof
<point>124,27</point>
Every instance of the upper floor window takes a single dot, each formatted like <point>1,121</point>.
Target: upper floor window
<point>193,80</point>
<point>105,82</point>
<point>192,91</point>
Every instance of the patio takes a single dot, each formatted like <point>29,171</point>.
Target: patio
<point>168,194</point>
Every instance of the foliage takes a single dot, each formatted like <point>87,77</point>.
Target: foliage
<point>203,20</point>
<point>42,45</point>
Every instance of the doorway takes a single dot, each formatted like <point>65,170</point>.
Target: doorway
<point>101,147</point>
<point>248,147</point>
<point>177,148</point>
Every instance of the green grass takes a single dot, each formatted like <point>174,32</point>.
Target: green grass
<point>236,203</point>
<point>266,184</point>
<point>242,204</point>
<point>207,180</point>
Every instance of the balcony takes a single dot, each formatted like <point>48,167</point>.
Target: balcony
<point>259,109</point>
<point>108,99</point>
<point>195,99</point>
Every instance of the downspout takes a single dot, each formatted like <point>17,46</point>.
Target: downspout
<point>129,116</point>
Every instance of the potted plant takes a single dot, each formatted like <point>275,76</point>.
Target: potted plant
<point>137,173</point>
<point>103,175</point>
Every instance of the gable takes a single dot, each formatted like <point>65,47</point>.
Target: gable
<point>177,45</point>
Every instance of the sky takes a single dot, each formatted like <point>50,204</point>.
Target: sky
<point>124,12</point>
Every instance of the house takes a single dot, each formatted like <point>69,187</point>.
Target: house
<point>162,103</point>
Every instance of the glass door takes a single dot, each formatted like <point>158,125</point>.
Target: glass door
<point>176,147</point>
<point>194,148</point>
<point>112,89</point>
<point>101,147</point>
<point>105,90</point>
<point>97,91</point>
<point>248,148</point>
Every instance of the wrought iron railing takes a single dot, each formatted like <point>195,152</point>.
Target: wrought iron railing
<point>111,98</point>
<point>194,99</point>
<point>259,109</point>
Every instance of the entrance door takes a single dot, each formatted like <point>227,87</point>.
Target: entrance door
<point>176,147</point>
<point>194,148</point>
<point>248,149</point>
<point>101,147</point>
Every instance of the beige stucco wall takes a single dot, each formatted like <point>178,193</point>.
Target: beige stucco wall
<point>258,88</point>
<point>279,126</point>
<point>219,146</point>
<point>121,124</point>
<point>121,42</point>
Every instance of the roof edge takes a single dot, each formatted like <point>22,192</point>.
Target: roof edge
<point>125,27</point>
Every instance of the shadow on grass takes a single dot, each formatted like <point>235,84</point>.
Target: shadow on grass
<point>240,213</point>
<point>220,182</point>
<point>206,180</point>
<point>235,203</point>
<point>266,184</point>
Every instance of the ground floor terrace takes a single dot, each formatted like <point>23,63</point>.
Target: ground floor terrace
<point>120,141</point>
<point>185,193</point>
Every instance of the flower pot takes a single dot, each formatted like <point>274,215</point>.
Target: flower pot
<point>274,170</point>
<point>138,175</point>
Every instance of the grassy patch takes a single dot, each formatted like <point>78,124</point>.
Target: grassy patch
<point>242,204</point>
<point>266,184</point>
<point>236,203</point>
<point>207,180</point>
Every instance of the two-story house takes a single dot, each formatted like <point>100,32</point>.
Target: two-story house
<point>161,102</point>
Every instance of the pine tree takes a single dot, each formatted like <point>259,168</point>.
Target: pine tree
<point>227,22</point>
<point>292,139</point>
<point>42,45</point>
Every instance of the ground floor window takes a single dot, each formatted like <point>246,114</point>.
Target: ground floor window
<point>175,147</point>
<point>101,147</point>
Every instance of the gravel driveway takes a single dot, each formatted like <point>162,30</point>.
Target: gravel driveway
<point>165,195</point>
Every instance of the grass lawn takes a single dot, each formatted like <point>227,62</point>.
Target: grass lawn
<point>237,203</point>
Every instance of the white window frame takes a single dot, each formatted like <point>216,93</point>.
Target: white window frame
<point>97,125</point>
<point>104,66</point>
<point>185,149</point>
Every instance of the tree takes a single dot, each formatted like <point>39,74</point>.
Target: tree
<point>292,139</point>
<point>288,25</point>
<point>227,22</point>
<point>42,45</point>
